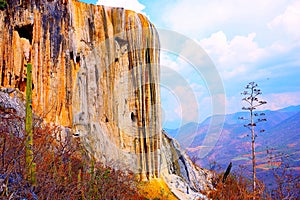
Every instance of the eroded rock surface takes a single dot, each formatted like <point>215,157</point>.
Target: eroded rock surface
<point>95,69</point>
<point>185,179</point>
<point>96,72</point>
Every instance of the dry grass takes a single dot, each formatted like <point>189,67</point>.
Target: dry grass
<point>237,187</point>
<point>63,169</point>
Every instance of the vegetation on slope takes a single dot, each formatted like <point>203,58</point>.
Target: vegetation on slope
<point>63,169</point>
<point>238,186</point>
<point>3,4</point>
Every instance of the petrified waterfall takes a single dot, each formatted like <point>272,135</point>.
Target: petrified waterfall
<point>96,73</point>
<point>95,70</point>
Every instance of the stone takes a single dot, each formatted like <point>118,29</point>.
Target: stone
<point>95,70</point>
<point>185,179</point>
<point>96,74</point>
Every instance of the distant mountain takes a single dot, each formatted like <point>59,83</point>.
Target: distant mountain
<point>282,136</point>
<point>294,109</point>
<point>286,132</point>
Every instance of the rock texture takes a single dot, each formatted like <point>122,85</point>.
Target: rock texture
<point>185,179</point>
<point>95,70</point>
<point>11,102</point>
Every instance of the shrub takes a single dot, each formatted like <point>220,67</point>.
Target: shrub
<point>3,4</point>
<point>63,168</point>
<point>286,185</point>
<point>235,187</point>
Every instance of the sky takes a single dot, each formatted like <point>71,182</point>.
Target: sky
<point>250,40</point>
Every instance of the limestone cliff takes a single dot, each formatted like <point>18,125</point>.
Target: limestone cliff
<point>96,71</point>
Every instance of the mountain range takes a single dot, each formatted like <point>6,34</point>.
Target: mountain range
<point>279,143</point>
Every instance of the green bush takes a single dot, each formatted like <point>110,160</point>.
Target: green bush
<point>3,4</point>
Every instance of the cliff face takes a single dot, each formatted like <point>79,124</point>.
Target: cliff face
<point>185,179</point>
<point>95,70</point>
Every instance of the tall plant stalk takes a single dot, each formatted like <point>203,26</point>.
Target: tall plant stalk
<point>30,165</point>
<point>251,94</point>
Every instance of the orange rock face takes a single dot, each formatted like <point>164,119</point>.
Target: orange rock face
<point>95,69</point>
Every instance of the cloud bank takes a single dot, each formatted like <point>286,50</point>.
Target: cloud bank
<point>248,41</point>
<point>127,4</point>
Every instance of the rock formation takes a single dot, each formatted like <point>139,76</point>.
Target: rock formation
<point>96,71</point>
<point>183,177</point>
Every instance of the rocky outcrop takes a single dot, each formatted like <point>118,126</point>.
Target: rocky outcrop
<point>96,72</point>
<point>185,179</point>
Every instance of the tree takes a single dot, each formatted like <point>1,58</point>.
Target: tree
<point>251,94</point>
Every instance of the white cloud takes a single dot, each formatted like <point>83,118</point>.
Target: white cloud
<point>199,18</point>
<point>234,57</point>
<point>275,101</point>
<point>170,61</point>
<point>289,21</point>
<point>127,4</point>
<point>281,100</point>
<point>247,41</point>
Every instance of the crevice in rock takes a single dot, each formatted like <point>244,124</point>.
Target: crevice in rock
<point>71,55</point>
<point>10,78</point>
<point>184,172</point>
<point>2,74</point>
<point>91,29</point>
<point>133,117</point>
<point>77,58</point>
<point>25,31</point>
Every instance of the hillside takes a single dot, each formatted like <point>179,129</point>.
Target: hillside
<point>281,136</point>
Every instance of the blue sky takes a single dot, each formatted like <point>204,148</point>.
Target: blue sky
<point>246,40</point>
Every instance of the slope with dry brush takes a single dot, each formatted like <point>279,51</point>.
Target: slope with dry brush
<point>63,168</point>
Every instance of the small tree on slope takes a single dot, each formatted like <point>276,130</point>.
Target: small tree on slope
<point>251,94</point>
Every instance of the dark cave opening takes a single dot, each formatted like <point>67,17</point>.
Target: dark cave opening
<point>133,117</point>
<point>25,31</point>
